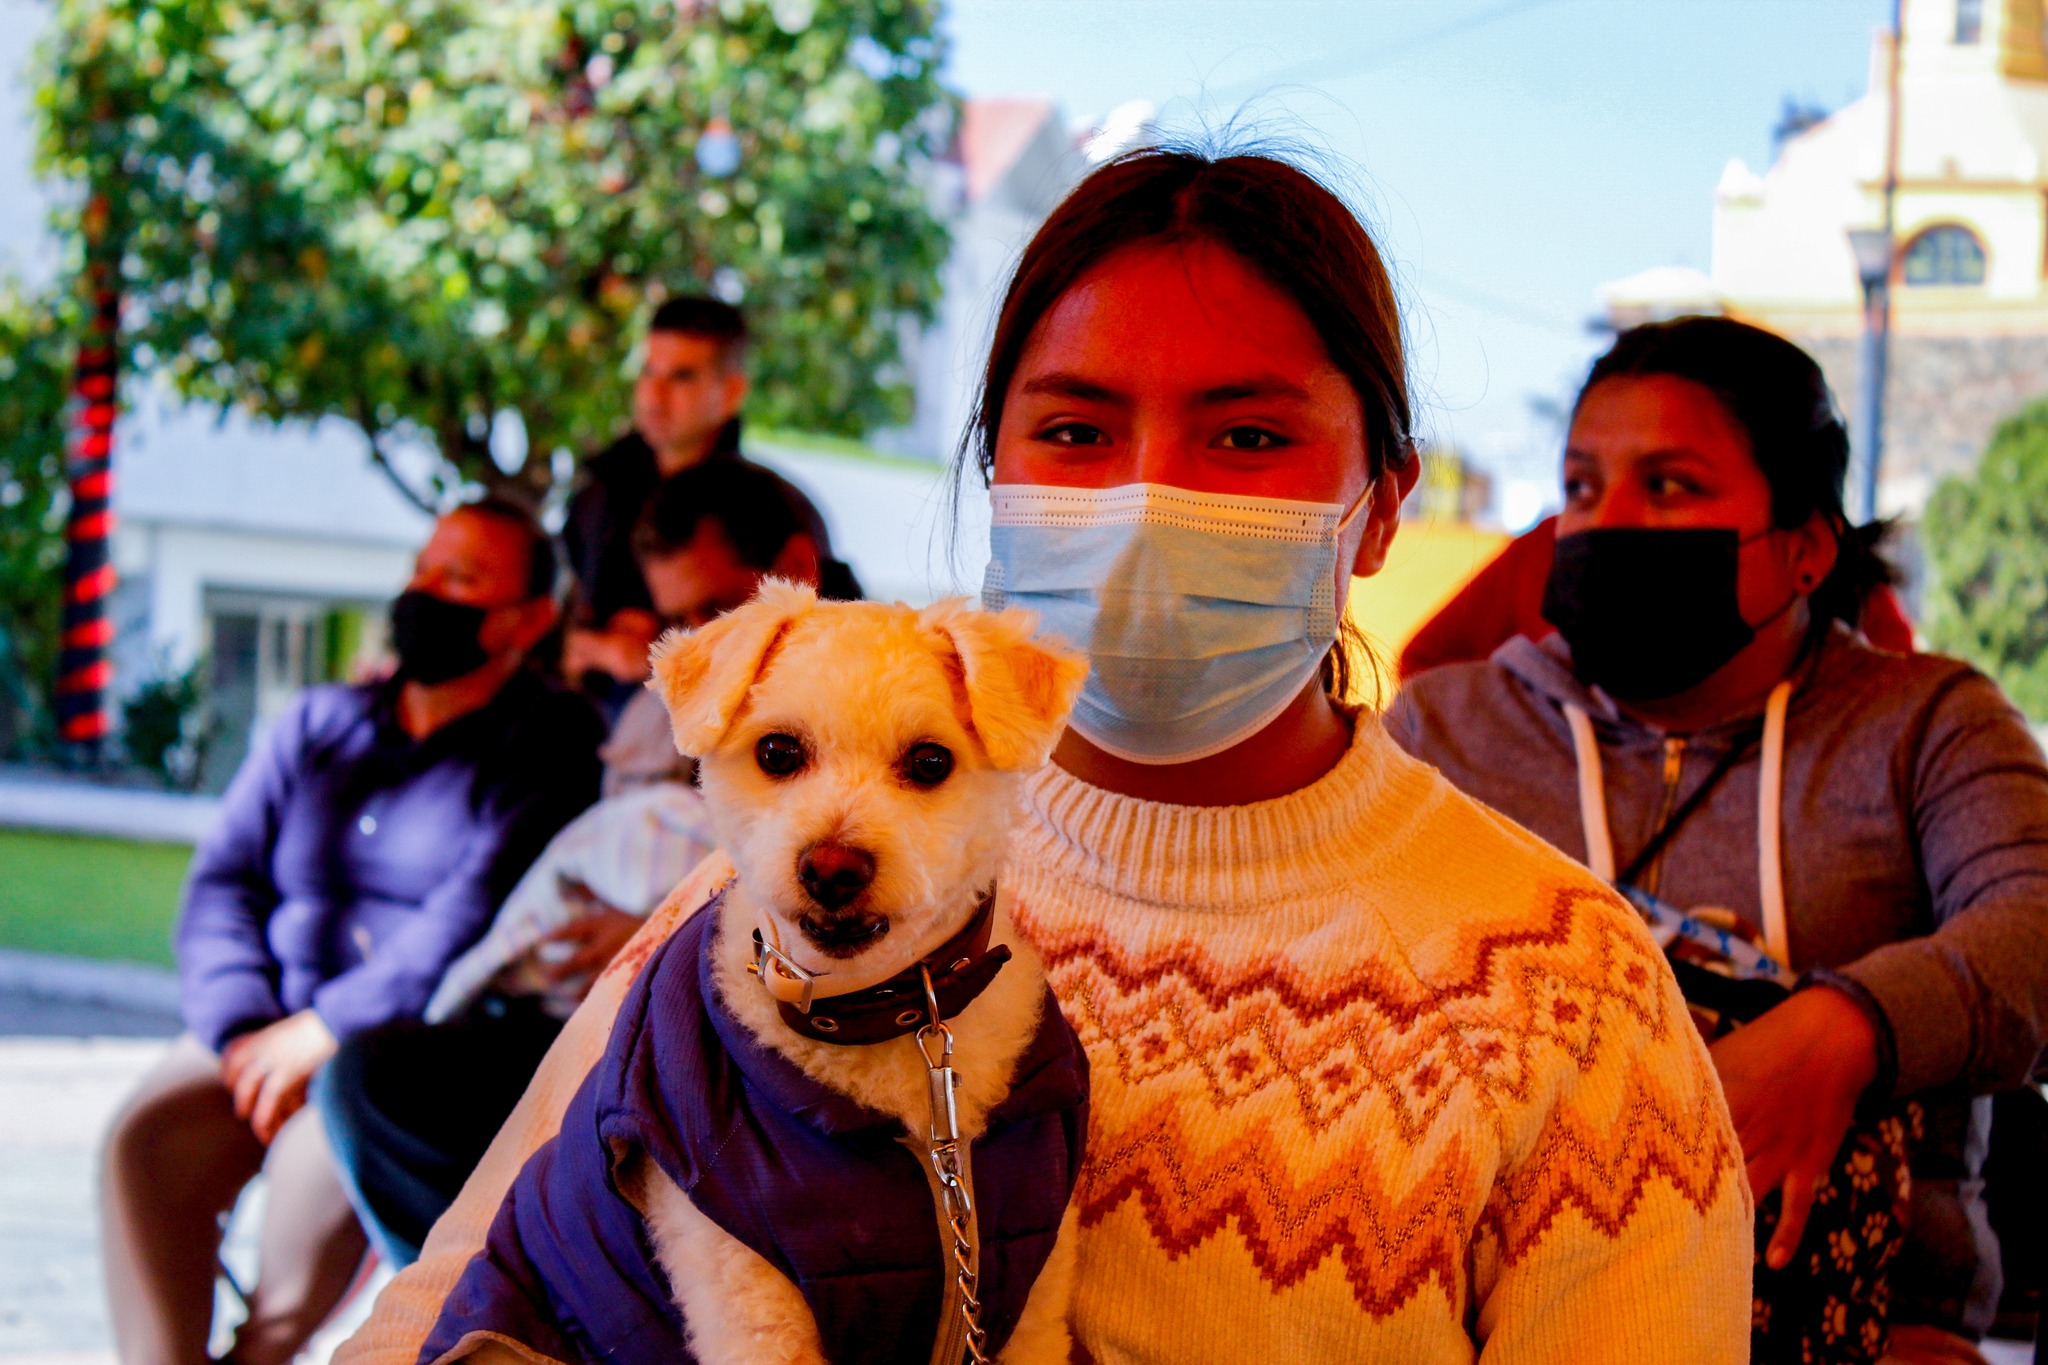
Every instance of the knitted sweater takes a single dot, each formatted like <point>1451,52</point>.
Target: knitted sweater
<point>1376,1076</point>
<point>1375,1073</point>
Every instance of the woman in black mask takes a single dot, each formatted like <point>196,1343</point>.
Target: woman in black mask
<point>1709,731</point>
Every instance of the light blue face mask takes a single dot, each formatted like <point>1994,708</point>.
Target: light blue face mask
<point>1203,614</point>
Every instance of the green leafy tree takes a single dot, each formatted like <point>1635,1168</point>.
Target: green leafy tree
<point>420,216</point>
<point>163,727</point>
<point>35,356</point>
<point>1986,536</point>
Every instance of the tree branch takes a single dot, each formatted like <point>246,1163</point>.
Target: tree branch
<point>374,438</point>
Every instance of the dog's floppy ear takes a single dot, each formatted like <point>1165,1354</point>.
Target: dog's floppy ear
<point>704,674</point>
<point>1019,689</point>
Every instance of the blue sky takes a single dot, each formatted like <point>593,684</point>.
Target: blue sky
<point>1510,154</point>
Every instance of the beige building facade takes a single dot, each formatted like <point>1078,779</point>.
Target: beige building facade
<point>1970,280</point>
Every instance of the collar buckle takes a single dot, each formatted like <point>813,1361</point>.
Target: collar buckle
<point>785,980</point>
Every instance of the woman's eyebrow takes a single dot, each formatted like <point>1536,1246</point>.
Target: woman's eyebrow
<point>1661,455</point>
<point>1064,384</point>
<point>1258,386</point>
<point>1673,455</point>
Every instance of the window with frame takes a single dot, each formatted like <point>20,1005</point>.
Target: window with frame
<point>1948,255</point>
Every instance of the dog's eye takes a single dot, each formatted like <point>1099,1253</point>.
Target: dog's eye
<point>779,755</point>
<point>928,764</point>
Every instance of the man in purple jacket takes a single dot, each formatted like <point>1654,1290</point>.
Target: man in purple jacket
<point>366,841</point>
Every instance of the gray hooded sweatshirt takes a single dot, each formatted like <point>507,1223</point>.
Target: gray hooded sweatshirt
<point>1915,854</point>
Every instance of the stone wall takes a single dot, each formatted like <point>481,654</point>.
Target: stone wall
<point>1944,397</point>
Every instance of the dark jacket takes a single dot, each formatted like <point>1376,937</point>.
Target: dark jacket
<point>1915,862</point>
<point>824,1189</point>
<point>352,864</point>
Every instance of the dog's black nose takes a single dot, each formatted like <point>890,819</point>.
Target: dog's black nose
<point>834,874</point>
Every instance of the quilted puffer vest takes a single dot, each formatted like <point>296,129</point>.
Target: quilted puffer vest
<point>821,1187</point>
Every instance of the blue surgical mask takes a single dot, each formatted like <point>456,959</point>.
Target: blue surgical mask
<point>1203,614</point>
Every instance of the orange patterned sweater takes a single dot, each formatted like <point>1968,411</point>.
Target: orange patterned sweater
<point>1377,1076</point>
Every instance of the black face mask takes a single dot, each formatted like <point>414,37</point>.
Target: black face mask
<point>1648,613</point>
<point>436,639</point>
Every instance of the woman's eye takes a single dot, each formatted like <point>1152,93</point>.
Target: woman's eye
<point>1666,486</point>
<point>1250,438</point>
<point>928,764</point>
<point>1577,491</point>
<point>779,755</point>
<point>1076,434</point>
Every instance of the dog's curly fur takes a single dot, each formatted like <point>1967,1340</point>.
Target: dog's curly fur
<point>857,685</point>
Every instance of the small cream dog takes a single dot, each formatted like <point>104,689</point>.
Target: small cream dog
<point>862,764</point>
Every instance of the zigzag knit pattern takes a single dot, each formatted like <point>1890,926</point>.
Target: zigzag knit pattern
<point>1377,1076</point>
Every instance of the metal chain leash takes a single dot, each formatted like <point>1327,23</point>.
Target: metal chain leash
<point>943,1142</point>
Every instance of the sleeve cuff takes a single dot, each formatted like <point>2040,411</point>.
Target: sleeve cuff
<point>1931,1019</point>
<point>217,1012</point>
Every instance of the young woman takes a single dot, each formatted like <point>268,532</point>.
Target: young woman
<point>1708,714</point>
<point>1376,1076</point>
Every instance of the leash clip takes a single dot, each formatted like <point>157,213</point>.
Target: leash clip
<point>945,1124</point>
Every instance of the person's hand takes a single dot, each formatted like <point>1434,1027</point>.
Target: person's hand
<point>269,1069</point>
<point>619,649</point>
<point>1793,1077</point>
<point>595,939</point>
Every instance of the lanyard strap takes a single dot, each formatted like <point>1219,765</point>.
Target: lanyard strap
<point>1592,793</point>
<point>1770,811</point>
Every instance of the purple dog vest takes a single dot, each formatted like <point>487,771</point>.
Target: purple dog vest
<point>821,1187</point>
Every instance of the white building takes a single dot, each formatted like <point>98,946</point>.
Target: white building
<point>266,554</point>
<point>1970,285</point>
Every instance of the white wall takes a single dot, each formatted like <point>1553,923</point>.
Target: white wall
<point>175,565</point>
<point>892,521</point>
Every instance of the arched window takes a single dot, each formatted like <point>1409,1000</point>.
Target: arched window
<point>1946,255</point>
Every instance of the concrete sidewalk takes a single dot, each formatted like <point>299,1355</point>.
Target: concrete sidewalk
<point>71,1051</point>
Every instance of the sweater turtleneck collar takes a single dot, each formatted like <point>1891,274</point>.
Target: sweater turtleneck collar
<point>1229,858</point>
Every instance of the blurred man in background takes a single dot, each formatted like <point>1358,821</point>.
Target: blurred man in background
<point>411,1106</point>
<point>686,404</point>
<point>365,842</point>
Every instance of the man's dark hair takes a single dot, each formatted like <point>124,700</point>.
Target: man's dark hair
<point>751,506</point>
<point>698,315</point>
<point>541,564</point>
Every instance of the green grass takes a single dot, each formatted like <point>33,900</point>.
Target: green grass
<point>69,893</point>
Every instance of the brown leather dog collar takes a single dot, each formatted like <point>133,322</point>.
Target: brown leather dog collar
<point>961,969</point>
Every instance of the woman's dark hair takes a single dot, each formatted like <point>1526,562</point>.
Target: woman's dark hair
<point>1276,218</point>
<point>1779,397</point>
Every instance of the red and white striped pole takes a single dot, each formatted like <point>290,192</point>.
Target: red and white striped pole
<point>84,672</point>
